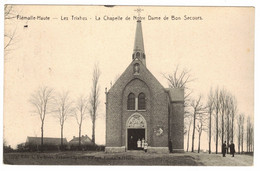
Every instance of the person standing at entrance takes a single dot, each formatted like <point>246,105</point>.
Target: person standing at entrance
<point>232,148</point>
<point>145,146</point>
<point>224,149</point>
<point>139,144</point>
<point>131,143</point>
<point>170,146</point>
<point>143,141</point>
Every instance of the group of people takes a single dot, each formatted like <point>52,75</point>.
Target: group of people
<point>142,144</point>
<point>225,148</point>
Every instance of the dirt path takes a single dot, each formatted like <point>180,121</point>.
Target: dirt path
<point>218,160</point>
<point>139,158</point>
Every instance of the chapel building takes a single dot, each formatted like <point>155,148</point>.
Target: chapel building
<point>139,107</point>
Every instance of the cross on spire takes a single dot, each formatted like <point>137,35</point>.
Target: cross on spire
<point>138,52</point>
<point>139,10</point>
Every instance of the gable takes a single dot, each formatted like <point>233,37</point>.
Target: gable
<point>142,73</point>
<point>136,79</point>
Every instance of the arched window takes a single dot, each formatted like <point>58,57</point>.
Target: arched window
<point>137,54</point>
<point>131,102</point>
<point>136,68</point>
<point>141,101</point>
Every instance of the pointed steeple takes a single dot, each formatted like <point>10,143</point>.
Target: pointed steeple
<point>139,43</point>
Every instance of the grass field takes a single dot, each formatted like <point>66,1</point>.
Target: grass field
<point>128,158</point>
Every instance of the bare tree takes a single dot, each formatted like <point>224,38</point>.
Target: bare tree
<point>188,133</point>
<point>63,109</point>
<point>233,111</point>
<point>9,34</point>
<point>230,112</point>
<point>250,131</point>
<point>80,113</point>
<point>94,99</point>
<point>210,107</point>
<point>252,138</point>
<point>223,106</point>
<point>247,133</point>
<point>198,109</point>
<point>41,100</point>
<point>201,124</point>
<point>181,79</point>
<point>239,123</point>
<point>217,108</point>
<point>242,132</point>
<point>228,106</point>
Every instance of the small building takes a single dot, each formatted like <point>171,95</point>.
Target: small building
<point>49,143</point>
<point>84,140</point>
<point>85,143</point>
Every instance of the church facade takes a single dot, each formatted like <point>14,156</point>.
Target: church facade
<point>138,107</point>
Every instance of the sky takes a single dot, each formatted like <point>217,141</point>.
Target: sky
<point>218,51</point>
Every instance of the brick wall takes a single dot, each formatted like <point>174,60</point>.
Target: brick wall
<point>136,86</point>
<point>156,114</point>
<point>177,118</point>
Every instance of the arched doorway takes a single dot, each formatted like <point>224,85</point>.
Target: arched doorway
<point>136,128</point>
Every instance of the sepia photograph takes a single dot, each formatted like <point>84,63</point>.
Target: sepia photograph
<point>128,85</point>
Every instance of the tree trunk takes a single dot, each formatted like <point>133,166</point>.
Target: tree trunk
<point>79,136</point>
<point>217,132</point>
<point>93,131</point>
<point>188,139</point>
<point>242,137</point>
<point>210,133</point>
<point>250,139</point>
<point>247,138</point>
<point>252,143</point>
<point>199,141</point>
<point>227,132</point>
<point>42,136</point>
<point>188,142</point>
<point>193,133</point>
<point>232,127</point>
<point>61,137</point>
<point>222,127</point>
<point>239,139</point>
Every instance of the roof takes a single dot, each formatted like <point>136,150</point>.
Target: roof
<point>46,141</point>
<point>85,140</point>
<point>152,81</point>
<point>138,47</point>
<point>139,42</point>
<point>175,94</point>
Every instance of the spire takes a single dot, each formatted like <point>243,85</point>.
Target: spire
<point>139,43</point>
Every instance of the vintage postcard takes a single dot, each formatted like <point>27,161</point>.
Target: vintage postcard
<point>128,85</point>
